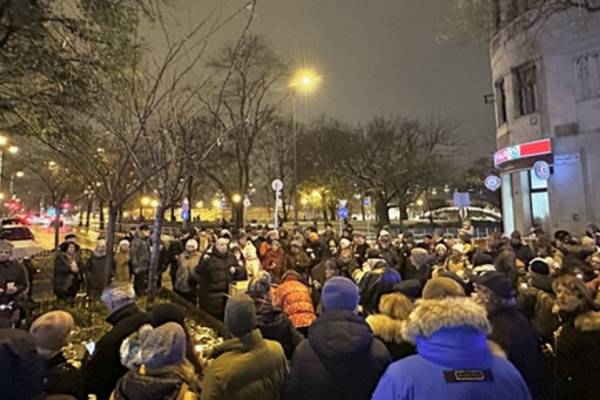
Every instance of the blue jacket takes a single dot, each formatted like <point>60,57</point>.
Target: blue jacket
<point>452,364</point>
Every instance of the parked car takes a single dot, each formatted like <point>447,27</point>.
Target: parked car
<point>22,239</point>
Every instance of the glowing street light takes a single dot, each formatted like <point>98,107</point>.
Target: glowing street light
<point>420,203</point>
<point>236,198</point>
<point>200,204</point>
<point>3,140</point>
<point>146,201</point>
<point>13,149</point>
<point>154,203</point>
<point>20,174</point>
<point>216,203</point>
<point>305,81</point>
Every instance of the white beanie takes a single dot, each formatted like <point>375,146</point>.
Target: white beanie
<point>192,243</point>
<point>344,243</point>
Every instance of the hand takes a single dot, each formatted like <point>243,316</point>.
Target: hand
<point>11,288</point>
<point>232,270</point>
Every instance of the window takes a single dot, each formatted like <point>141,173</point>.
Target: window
<point>501,102</point>
<point>526,89</point>
<point>540,204</point>
<point>587,75</point>
<point>507,203</point>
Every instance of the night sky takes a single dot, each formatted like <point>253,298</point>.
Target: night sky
<point>376,57</point>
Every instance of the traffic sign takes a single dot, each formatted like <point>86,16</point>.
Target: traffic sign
<point>277,185</point>
<point>367,201</point>
<point>247,202</point>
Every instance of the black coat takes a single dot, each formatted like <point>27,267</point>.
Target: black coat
<point>578,358</point>
<point>64,281</point>
<point>340,360</point>
<point>104,368</point>
<point>536,303</point>
<point>506,262</point>
<point>12,271</point>
<point>60,377</point>
<point>274,324</point>
<point>513,332</point>
<point>213,277</point>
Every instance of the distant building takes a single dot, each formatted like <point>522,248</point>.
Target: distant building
<point>546,80</point>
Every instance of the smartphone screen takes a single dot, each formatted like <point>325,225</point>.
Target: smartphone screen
<point>90,346</point>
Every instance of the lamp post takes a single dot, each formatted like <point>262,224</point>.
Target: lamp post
<point>304,81</point>
<point>18,174</point>
<point>11,150</point>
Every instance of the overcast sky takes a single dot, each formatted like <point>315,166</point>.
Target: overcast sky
<point>377,57</point>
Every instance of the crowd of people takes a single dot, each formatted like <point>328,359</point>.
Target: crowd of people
<point>324,316</point>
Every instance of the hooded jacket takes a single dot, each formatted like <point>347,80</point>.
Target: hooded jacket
<point>340,360</point>
<point>275,325</point>
<point>453,361</point>
<point>245,368</point>
<point>389,331</point>
<point>167,383</point>
<point>578,358</point>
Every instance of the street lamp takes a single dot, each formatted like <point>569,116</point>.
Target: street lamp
<point>11,150</point>
<point>304,81</point>
<point>18,174</point>
<point>236,198</point>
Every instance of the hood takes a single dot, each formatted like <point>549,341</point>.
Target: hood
<point>588,322</point>
<point>456,347</point>
<point>135,386</point>
<point>339,336</point>
<point>430,316</point>
<point>386,328</point>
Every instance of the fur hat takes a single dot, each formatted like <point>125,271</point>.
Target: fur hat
<point>240,315</point>
<point>164,346</point>
<point>482,259</point>
<point>51,330</point>
<point>498,283</point>
<point>419,257</point>
<point>192,243</point>
<point>539,266</point>
<point>340,293</point>
<point>432,315</point>
<point>441,246</point>
<point>411,288</point>
<point>439,288</point>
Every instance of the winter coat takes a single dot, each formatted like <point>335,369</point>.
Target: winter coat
<point>12,271</point>
<point>97,274</point>
<point>392,258</point>
<point>21,368</point>
<point>316,251</point>
<point>536,302</point>
<point>578,358</point>
<point>515,335</point>
<point>298,262</point>
<point>389,331</point>
<point>273,263</point>
<point>375,284</point>
<point>60,377</point>
<point>294,298</point>
<point>523,253</point>
<point>275,325</point>
<point>174,249</point>
<point>104,368</point>
<point>65,282</point>
<point>167,383</point>
<point>245,368</point>
<point>139,254</point>
<point>122,269</point>
<point>185,280</point>
<point>360,253</point>
<point>435,372</point>
<point>253,266</point>
<point>213,282</point>
<point>340,360</point>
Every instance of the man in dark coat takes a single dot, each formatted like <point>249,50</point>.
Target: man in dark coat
<point>512,331</point>
<point>506,262</point>
<point>139,259</point>
<point>104,368</point>
<point>213,275</point>
<point>20,366</point>
<point>97,273</point>
<point>522,251</point>
<point>340,359</point>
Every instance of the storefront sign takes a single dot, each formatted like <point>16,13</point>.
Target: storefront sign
<point>492,183</point>
<point>542,170</point>
<point>525,150</point>
<point>562,159</point>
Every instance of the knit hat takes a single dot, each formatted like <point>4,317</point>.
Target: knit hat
<point>240,315</point>
<point>260,284</point>
<point>383,233</point>
<point>440,247</point>
<point>439,288</point>
<point>340,293</point>
<point>192,243</point>
<point>166,312</point>
<point>410,288</point>
<point>273,235</point>
<point>498,283</point>
<point>51,330</point>
<point>539,266</point>
<point>419,257</point>
<point>164,346</point>
<point>124,243</point>
<point>5,245</point>
<point>296,243</point>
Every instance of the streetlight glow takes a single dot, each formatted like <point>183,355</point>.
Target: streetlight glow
<point>20,174</point>
<point>146,200</point>
<point>154,203</point>
<point>3,140</point>
<point>200,204</point>
<point>13,149</point>
<point>216,203</point>
<point>305,81</point>
<point>236,198</point>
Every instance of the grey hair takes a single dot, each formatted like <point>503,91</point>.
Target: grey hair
<point>117,294</point>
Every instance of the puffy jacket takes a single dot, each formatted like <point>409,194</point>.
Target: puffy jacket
<point>536,302</point>
<point>340,360</point>
<point>246,368</point>
<point>389,331</point>
<point>294,298</point>
<point>298,262</point>
<point>167,383</point>
<point>213,279</point>
<point>578,358</point>
<point>435,373</point>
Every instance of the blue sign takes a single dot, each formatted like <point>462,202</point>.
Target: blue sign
<point>542,170</point>
<point>342,212</point>
<point>185,215</point>
<point>462,200</point>
<point>367,201</point>
<point>492,183</point>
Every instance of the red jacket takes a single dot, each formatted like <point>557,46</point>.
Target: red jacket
<point>293,297</point>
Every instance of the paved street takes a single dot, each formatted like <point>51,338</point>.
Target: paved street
<point>45,236</point>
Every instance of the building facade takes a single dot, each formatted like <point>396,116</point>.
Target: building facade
<point>546,81</point>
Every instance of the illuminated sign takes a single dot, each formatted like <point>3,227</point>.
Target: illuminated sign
<point>525,150</point>
<point>492,183</point>
<point>542,170</point>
